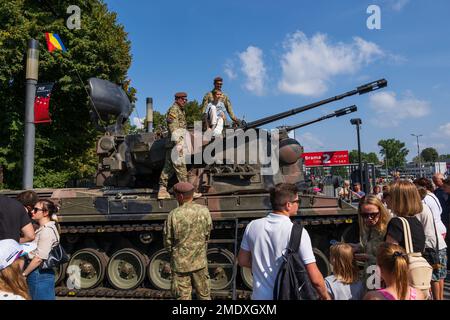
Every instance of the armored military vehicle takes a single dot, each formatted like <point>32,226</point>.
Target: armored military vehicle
<point>113,233</point>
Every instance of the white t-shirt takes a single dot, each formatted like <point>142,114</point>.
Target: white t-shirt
<point>433,203</point>
<point>10,296</point>
<point>426,219</point>
<point>266,239</point>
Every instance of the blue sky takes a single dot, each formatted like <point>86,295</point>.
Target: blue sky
<point>277,55</point>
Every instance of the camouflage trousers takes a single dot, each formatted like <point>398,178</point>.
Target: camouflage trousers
<point>170,168</point>
<point>182,284</point>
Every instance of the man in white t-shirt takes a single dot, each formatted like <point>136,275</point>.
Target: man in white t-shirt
<point>265,239</point>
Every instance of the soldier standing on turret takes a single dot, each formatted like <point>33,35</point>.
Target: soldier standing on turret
<point>176,125</point>
<point>209,97</point>
<point>186,234</point>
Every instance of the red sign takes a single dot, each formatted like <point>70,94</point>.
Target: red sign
<point>328,158</point>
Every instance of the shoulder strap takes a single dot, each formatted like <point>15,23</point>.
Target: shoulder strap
<point>296,236</point>
<point>407,235</point>
<point>57,242</point>
<point>433,196</point>
<point>293,246</point>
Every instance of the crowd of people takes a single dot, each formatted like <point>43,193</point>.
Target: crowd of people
<point>28,231</point>
<point>401,255</point>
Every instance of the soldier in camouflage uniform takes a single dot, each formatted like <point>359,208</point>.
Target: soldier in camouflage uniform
<point>186,235</point>
<point>209,97</point>
<point>176,120</point>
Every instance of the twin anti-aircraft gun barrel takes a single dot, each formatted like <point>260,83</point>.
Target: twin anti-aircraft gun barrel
<point>369,87</point>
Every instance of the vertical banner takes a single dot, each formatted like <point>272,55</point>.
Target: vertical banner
<point>42,103</point>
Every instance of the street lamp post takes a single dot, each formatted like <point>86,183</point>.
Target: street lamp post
<point>358,122</point>
<point>418,152</point>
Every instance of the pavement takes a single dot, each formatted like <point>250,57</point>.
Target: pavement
<point>447,286</point>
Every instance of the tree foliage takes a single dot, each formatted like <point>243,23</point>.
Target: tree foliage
<point>365,157</point>
<point>429,155</point>
<point>444,157</point>
<point>65,148</point>
<point>394,151</point>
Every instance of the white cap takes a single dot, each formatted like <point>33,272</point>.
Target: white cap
<point>11,250</point>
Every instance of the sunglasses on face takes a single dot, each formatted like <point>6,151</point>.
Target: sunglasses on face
<point>369,215</point>
<point>295,201</point>
<point>36,210</point>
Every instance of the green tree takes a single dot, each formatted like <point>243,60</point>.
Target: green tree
<point>192,111</point>
<point>365,157</point>
<point>65,148</point>
<point>444,157</point>
<point>429,155</point>
<point>394,151</point>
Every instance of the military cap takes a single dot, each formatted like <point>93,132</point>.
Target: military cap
<point>180,95</point>
<point>218,79</point>
<point>183,187</point>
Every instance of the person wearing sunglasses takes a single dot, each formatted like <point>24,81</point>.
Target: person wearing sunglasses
<point>373,221</point>
<point>41,282</point>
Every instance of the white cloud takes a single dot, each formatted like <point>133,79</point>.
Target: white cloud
<point>445,129</point>
<point>390,111</point>
<point>138,122</point>
<point>229,70</point>
<point>254,69</point>
<point>310,142</point>
<point>308,64</point>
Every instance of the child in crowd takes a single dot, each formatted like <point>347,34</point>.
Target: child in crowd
<point>13,285</point>
<point>343,284</point>
<point>393,263</point>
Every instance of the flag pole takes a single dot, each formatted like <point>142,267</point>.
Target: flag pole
<point>32,68</point>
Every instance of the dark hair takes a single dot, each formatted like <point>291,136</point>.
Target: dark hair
<point>52,209</point>
<point>424,182</point>
<point>446,181</point>
<point>28,198</point>
<point>281,194</point>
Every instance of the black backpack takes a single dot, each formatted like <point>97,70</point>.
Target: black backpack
<point>292,281</point>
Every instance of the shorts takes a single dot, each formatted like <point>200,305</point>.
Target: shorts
<point>441,273</point>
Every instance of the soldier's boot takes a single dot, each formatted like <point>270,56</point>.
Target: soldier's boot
<point>197,195</point>
<point>163,194</point>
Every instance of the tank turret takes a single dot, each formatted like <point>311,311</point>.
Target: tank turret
<point>136,160</point>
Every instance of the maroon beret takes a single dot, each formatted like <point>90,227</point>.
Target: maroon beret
<point>180,95</point>
<point>183,187</point>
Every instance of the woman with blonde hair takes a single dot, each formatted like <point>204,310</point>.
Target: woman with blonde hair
<point>405,202</point>
<point>343,284</point>
<point>373,221</point>
<point>393,263</point>
<point>41,282</point>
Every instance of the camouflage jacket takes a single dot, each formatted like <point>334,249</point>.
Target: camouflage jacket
<point>176,119</point>
<point>186,232</point>
<point>226,101</point>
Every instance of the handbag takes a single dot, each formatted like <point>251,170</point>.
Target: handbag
<point>56,256</point>
<point>419,269</point>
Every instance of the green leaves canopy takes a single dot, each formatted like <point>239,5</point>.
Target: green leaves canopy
<point>65,148</point>
<point>394,151</point>
<point>429,155</point>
